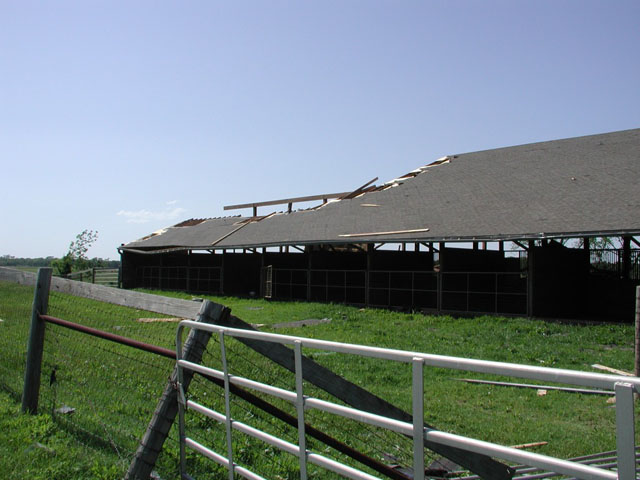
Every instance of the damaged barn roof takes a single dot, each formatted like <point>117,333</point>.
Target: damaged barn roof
<point>572,187</point>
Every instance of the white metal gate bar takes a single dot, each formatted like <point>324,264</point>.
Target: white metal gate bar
<point>227,405</point>
<point>302,442</point>
<point>624,388</point>
<point>418,419</point>
<point>625,429</point>
<point>288,447</point>
<point>548,374</point>
<point>602,460</point>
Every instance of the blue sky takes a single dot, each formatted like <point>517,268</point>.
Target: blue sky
<point>126,117</point>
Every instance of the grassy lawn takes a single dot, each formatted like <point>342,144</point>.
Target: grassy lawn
<point>97,441</point>
<point>35,447</point>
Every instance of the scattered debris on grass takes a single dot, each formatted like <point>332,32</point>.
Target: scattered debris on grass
<point>40,446</point>
<point>612,370</point>
<point>159,320</point>
<point>65,410</point>
<point>302,323</point>
<point>529,445</point>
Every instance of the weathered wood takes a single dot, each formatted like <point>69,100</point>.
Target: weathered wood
<point>35,346</point>
<point>358,190</point>
<point>143,301</point>
<point>597,366</point>
<point>230,233</point>
<point>20,277</point>
<point>360,398</point>
<point>165,413</point>
<point>529,445</point>
<point>309,198</point>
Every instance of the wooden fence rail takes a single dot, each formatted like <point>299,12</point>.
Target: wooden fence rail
<point>127,298</point>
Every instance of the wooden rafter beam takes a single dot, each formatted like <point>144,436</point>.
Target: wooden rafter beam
<point>521,245</point>
<point>358,190</point>
<point>311,198</point>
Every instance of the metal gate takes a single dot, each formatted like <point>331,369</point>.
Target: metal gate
<point>624,388</point>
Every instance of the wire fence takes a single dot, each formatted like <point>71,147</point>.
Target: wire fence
<point>105,393</point>
<point>15,311</point>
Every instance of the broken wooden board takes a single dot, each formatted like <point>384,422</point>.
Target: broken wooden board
<point>159,320</point>
<point>597,366</point>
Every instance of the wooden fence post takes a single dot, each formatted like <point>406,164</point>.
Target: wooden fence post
<point>165,413</point>
<point>31,388</point>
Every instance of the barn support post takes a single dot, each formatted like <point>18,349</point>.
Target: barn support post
<point>167,408</point>
<point>626,258</point>
<point>530,275</point>
<point>261,276</point>
<point>367,275</point>
<point>309,254</point>
<point>188,285</point>
<point>441,256</point>
<point>35,346</point>
<point>222,272</point>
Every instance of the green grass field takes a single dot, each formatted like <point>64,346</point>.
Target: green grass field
<point>97,441</point>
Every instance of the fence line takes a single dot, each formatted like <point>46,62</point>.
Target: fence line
<point>624,386</point>
<point>101,275</point>
<point>489,292</point>
<point>126,298</point>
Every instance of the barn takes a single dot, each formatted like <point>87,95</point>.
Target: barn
<point>545,229</point>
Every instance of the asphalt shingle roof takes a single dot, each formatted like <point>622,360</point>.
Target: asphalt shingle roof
<point>572,187</point>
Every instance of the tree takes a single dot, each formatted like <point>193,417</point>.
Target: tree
<point>76,258</point>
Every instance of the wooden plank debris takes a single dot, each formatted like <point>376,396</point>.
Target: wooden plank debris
<point>358,190</point>
<point>301,323</point>
<point>529,445</point>
<point>597,366</point>
<point>160,320</point>
<point>537,387</point>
